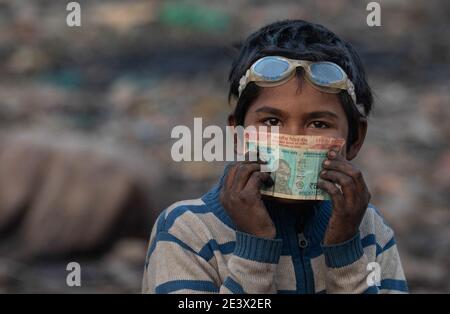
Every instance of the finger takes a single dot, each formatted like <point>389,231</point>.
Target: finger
<point>345,167</point>
<point>254,156</point>
<point>243,172</point>
<point>334,153</point>
<point>347,184</point>
<point>235,166</point>
<point>335,194</point>
<point>230,175</point>
<point>258,180</point>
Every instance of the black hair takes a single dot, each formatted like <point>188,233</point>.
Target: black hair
<point>298,39</point>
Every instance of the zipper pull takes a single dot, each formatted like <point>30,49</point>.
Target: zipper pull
<point>302,241</point>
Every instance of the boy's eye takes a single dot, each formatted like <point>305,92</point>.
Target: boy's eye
<point>272,122</point>
<point>319,125</point>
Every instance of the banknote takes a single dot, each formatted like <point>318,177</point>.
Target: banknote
<point>294,163</point>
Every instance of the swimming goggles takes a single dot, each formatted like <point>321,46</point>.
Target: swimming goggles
<point>325,76</point>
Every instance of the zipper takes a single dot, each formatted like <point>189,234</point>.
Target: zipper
<point>303,243</point>
<point>302,240</point>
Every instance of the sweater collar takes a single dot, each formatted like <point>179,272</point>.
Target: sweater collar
<point>315,224</point>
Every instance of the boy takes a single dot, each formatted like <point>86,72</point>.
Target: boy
<point>233,240</point>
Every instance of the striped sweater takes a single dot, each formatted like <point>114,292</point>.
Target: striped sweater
<point>195,248</point>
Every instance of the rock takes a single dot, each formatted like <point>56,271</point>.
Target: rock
<point>57,201</point>
<point>20,168</point>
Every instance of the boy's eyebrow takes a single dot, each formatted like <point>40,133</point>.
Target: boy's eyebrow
<point>322,114</point>
<point>271,110</point>
<point>310,115</point>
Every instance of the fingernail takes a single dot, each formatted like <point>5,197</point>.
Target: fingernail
<point>323,172</point>
<point>332,154</point>
<point>326,162</point>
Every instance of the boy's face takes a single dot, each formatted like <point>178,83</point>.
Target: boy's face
<point>299,109</point>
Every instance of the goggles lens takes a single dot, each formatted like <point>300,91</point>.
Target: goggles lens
<point>271,68</point>
<point>325,73</point>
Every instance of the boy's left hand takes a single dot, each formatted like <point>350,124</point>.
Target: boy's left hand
<point>350,201</point>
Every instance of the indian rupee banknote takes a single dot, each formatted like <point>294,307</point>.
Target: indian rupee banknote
<point>294,163</point>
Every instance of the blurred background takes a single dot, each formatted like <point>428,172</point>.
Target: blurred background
<point>86,115</point>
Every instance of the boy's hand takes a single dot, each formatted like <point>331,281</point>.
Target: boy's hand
<point>241,198</point>
<point>349,201</point>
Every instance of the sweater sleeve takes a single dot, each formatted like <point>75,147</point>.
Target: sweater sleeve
<point>174,267</point>
<point>350,271</point>
<point>392,279</point>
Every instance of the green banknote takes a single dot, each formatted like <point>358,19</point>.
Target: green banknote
<point>295,163</point>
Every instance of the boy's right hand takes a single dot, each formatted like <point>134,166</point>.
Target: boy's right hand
<point>240,196</point>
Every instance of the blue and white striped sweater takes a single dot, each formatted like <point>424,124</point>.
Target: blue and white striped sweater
<point>194,248</point>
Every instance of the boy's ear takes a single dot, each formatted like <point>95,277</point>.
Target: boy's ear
<point>357,144</point>
<point>231,120</point>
